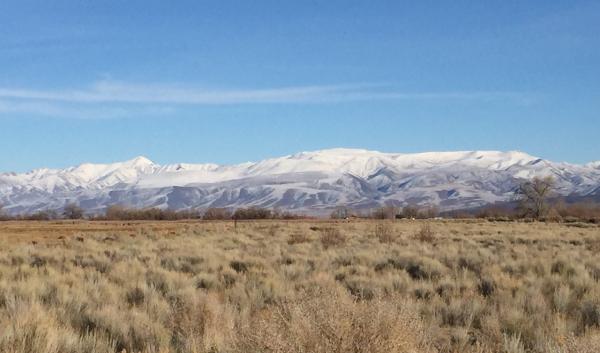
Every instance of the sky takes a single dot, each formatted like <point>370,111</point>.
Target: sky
<point>235,81</point>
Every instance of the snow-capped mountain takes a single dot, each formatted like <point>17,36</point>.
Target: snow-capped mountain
<point>311,182</point>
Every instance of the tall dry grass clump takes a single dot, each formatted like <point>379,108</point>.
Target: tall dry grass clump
<point>325,320</point>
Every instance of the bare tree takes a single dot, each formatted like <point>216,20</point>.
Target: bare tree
<point>72,211</point>
<point>391,212</point>
<point>410,212</point>
<point>341,213</point>
<point>429,212</point>
<point>252,213</point>
<point>114,212</point>
<point>533,196</point>
<point>2,215</point>
<point>378,213</point>
<point>385,212</point>
<point>216,214</point>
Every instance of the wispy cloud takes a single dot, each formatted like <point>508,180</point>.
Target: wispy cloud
<point>119,92</point>
<point>114,98</point>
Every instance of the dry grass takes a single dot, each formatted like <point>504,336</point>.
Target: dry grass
<point>299,286</point>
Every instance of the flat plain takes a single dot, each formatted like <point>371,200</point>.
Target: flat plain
<point>299,286</point>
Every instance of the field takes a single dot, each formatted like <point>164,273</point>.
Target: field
<point>299,286</point>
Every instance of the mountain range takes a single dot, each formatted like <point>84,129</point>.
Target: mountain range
<point>308,182</point>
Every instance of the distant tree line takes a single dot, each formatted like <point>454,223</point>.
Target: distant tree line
<point>387,212</point>
<point>121,213</point>
<point>116,212</point>
<point>248,213</point>
<point>156,214</point>
<point>70,211</point>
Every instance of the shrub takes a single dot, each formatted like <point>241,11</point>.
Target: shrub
<point>331,237</point>
<point>327,320</point>
<point>384,233</point>
<point>206,282</point>
<point>135,296</point>
<point>425,234</point>
<point>239,266</point>
<point>298,238</point>
<point>590,315</point>
<point>486,287</point>
<point>37,261</point>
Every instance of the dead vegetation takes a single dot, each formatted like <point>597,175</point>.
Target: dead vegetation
<point>363,286</point>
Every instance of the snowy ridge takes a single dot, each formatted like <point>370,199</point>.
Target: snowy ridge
<point>594,165</point>
<point>306,181</point>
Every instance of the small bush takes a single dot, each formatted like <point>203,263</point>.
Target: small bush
<point>239,266</point>
<point>135,296</point>
<point>206,282</point>
<point>331,321</point>
<point>425,234</point>
<point>486,287</point>
<point>37,261</point>
<point>384,233</point>
<point>331,237</point>
<point>298,238</point>
<point>590,315</point>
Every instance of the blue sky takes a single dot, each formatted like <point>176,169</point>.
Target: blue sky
<point>232,81</point>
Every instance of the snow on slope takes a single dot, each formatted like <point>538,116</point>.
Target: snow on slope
<point>303,181</point>
<point>85,175</point>
<point>361,163</point>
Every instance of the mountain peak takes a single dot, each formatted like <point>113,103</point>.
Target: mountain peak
<point>139,161</point>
